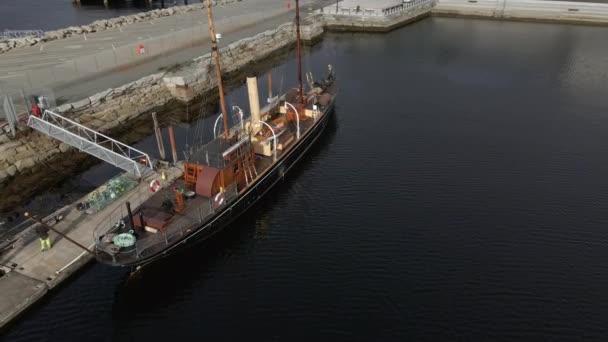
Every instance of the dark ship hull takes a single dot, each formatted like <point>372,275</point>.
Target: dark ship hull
<point>239,205</point>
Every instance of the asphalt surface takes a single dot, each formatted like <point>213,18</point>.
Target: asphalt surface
<point>42,65</point>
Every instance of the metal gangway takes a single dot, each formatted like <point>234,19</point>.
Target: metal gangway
<point>92,142</point>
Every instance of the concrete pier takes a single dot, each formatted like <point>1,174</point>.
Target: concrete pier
<point>32,273</point>
<point>85,63</point>
<point>592,13</point>
<point>370,15</point>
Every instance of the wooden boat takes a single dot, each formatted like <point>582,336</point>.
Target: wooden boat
<point>225,177</point>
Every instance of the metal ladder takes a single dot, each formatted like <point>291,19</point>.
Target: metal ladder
<point>248,162</point>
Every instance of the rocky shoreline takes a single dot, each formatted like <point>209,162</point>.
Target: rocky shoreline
<point>106,24</point>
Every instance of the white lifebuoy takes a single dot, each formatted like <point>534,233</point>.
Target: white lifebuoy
<point>218,199</point>
<point>155,185</point>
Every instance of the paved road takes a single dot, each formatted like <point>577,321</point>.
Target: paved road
<point>235,21</point>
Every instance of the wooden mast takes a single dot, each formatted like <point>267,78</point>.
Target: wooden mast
<point>218,70</point>
<point>300,94</point>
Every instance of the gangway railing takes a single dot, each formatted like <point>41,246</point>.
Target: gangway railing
<point>92,142</point>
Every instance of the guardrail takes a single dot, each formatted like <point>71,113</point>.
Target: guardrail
<point>152,242</point>
<point>556,10</point>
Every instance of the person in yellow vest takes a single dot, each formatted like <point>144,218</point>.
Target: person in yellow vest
<point>43,235</point>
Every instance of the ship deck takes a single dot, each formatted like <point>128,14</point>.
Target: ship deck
<point>197,210</point>
<point>163,227</point>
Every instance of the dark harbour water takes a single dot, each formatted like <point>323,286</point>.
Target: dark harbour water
<point>460,193</point>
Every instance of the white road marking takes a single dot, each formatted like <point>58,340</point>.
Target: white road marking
<point>11,76</point>
<point>31,66</point>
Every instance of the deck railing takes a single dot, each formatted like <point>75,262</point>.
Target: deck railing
<point>120,213</point>
<point>117,220</point>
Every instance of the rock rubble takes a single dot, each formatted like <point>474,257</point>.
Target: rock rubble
<point>106,24</point>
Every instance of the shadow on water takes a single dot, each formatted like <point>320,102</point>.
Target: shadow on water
<point>192,266</point>
<point>77,285</point>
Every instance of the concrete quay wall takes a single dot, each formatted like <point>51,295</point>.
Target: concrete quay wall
<point>26,156</point>
<point>378,23</point>
<point>199,77</point>
<point>526,10</point>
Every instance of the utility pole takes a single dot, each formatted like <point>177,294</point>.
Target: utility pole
<point>337,6</point>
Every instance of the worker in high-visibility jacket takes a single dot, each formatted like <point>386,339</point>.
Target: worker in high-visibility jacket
<point>43,235</point>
